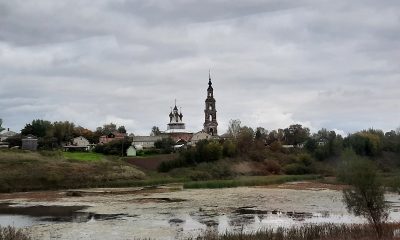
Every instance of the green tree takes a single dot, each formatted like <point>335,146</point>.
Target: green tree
<point>39,128</point>
<point>261,133</point>
<point>245,140</point>
<point>1,127</point>
<point>365,197</point>
<point>296,134</point>
<point>121,129</point>
<point>229,148</point>
<point>63,131</point>
<point>155,131</point>
<point>165,144</point>
<point>367,142</point>
<point>107,129</point>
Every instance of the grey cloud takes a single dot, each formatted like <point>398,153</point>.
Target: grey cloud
<point>330,64</point>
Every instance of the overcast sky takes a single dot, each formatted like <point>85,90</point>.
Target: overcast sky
<point>332,64</point>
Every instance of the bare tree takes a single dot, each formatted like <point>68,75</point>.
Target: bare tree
<point>234,128</point>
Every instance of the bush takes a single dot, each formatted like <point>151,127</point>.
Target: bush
<point>229,149</point>
<point>365,197</point>
<point>257,155</point>
<point>165,144</point>
<point>296,169</point>
<point>168,165</point>
<point>273,166</point>
<point>116,147</point>
<point>200,176</point>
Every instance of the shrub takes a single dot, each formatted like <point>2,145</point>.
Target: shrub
<point>296,169</point>
<point>168,165</point>
<point>273,166</point>
<point>116,147</point>
<point>257,155</point>
<point>200,176</point>
<point>276,146</point>
<point>229,149</point>
<point>365,197</point>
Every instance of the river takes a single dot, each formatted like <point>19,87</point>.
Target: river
<point>170,213</point>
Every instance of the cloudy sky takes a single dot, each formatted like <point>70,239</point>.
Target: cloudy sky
<point>332,64</point>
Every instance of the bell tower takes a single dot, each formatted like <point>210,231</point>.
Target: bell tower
<point>210,113</point>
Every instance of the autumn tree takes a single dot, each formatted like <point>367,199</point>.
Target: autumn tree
<point>91,136</point>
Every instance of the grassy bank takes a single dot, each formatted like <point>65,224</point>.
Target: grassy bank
<point>249,181</point>
<point>314,232</point>
<point>27,171</point>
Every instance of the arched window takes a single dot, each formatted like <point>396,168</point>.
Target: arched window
<point>210,118</point>
<point>210,107</point>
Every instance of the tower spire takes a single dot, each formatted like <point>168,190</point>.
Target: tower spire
<point>209,77</point>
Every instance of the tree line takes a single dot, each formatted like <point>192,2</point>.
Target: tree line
<point>54,134</point>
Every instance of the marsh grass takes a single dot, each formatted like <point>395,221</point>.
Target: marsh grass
<point>12,233</point>
<point>311,232</point>
<point>249,181</point>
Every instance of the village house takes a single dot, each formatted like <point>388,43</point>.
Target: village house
<point>111,137</point>
<point>202,135</point>
<point>29,142</point>
<point>131,151</point>
<point>7,134</point>
<point>143,142</point>
<point>79,144</point>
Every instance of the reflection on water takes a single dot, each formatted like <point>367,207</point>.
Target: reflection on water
<point>23,216</point>
<point>158,217</point>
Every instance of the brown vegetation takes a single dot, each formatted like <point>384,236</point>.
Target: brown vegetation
<point>314,232</point>
<point>11,233</point>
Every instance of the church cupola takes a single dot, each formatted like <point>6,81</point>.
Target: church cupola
<point>175,119</point>
<point>210,112</point>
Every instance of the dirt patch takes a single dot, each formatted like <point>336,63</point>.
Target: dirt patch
<point>250,168</point>
<point>48,196</point>
<point>120,191</point>
<point>151,162</point>
<point>308,185</point>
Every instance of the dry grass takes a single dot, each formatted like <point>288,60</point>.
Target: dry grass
<point>11,233</point>
<point>312,232</point>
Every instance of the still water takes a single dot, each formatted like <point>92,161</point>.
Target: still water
<point>178,214</point>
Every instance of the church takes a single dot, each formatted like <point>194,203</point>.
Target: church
<point>176,126</point>
<point>176,129</point>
